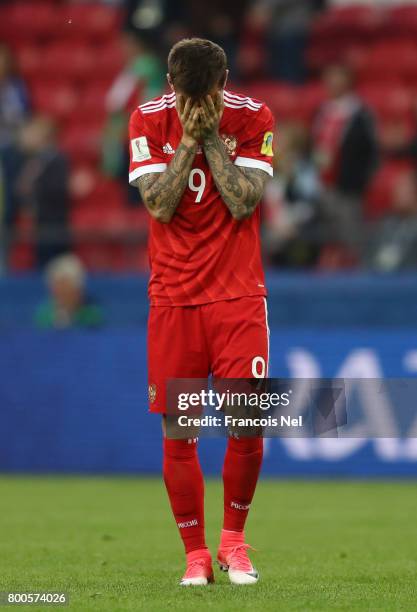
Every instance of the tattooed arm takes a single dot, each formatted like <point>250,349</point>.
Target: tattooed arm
<point>240,188</point>
<point>162,192</point>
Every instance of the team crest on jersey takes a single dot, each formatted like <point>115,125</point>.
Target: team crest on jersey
<point>230,143</point>
<point>266,148</point>
<point>152,392</point>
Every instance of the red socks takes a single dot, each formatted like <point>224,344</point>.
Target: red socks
<point>241,469</point>
<point>185,486</point>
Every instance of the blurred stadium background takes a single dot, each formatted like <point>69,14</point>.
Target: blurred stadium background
<point>339,218</point>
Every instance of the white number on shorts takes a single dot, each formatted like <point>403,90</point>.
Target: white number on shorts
<point>199,189</point>
<point>258,363</point>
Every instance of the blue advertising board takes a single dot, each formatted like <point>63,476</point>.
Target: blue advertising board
<point>73,401</point>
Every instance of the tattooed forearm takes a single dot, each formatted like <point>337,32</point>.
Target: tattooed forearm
<point>240,188</point>
<point>162,192</point>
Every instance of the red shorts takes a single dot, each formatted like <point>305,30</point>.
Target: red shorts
<point>228,339</point>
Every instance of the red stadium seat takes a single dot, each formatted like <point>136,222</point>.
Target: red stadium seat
<point>91,21</point>
<point>388,101</point>
<point>311,96</point>
<point>106,194</point>
<point>379,197</point>
<point>110,226</point>
<point>29,60</point>
<point>54,98</point>
<point>82,142</point>
<point>387,60</point>
<point>67,60</point>
<point>288,102</point>
<point>352,19</point>
<point>28,20</point>
<point>22,254</point>
<point>92,102</point>
<point>109,61</point>
<point>402,20</point>
<point>282,99</point>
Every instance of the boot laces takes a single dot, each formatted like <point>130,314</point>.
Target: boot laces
<point>238,557</point>
<point>195,568</point>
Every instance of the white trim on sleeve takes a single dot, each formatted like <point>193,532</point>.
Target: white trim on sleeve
<point>148,169</point>
<point>249,162</point>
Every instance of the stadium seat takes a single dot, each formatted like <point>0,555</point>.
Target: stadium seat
<point>82,141</point>
<point>354,20</point>
<point>388,100</point>
<point>379,197</point>
<point>109,61</point>
<point>106,194</point>
<point>388,60</point>
<point>29,60</point>
<point>310,98</point>
<point>68,60</point>
<point>28,21</point>
<point>22,254</point>
<point>90,21</point>
<point>108,226</point>
<point>402,20</point>
<point>58,99</point>
<point>282,99</point>
<point>92,102</point>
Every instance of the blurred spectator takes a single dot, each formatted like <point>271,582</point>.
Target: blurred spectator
<point>287,24</point>
<point>392,245</point>
<point>13,99</point>
<point>41,187</point>
<point>142,78</point>
<point>68,304</point>
<point>219,21</point>
<point>290,201</point>
<point>14,108</point>
<point>345,151</point>
<point>399,146</point>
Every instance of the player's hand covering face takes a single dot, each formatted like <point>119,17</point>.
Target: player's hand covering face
<point>189,114</point>
<point>211,114</point>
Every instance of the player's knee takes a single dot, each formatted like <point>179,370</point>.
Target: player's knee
<point>179,450</point>
<point>246,445</point>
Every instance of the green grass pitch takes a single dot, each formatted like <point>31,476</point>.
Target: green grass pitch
<point>112,544</point>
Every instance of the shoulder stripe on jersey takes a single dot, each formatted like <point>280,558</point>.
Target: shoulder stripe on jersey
<point>158,101</point>
<point>252,105</point>
<point>241,102</point>
<point>229,105</point>
<point>157,105</point>
<point>235,99</point>
<point>147,111</point>
<point>240,97</point>
<point>153,103</point>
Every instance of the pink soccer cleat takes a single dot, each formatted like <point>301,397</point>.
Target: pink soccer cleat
<point>199,570</point>
<point>232,557</point>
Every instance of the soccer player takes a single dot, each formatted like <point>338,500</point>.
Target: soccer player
<point>200,157</point>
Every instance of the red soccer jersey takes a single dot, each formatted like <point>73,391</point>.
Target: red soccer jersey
<point>203,255</point>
